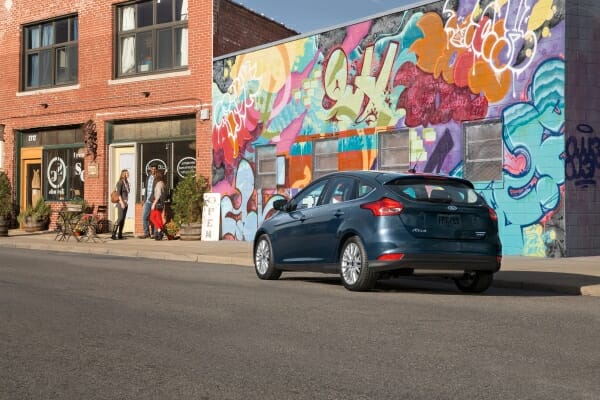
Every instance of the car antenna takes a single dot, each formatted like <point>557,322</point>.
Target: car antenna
<point>413,169</point>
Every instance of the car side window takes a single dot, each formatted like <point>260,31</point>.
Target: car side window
<point>309,197</point>
<point>364,189</point>
<point>342,189</point>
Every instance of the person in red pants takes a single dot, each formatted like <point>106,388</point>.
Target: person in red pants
<point>158,205</point>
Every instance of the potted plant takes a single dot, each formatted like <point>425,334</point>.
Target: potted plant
<point>6,205</point>
<point>171,228</point>
<point>186,204</point>
<point>37,217</point>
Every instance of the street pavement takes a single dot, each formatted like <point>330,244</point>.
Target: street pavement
<point>570,276</point>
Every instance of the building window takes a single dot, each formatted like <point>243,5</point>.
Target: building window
<point>176,159</point>
<point>64,174</point>
<point>325,157</point>
<point>483,151</point>
<point>266,167</point>
<point>152,36</point>
<point>50,56</point>
<point>394,151</point>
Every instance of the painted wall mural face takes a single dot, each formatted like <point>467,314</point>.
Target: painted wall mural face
<point>423,74</point>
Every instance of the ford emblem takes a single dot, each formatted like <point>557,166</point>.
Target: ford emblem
<point>452,208</point>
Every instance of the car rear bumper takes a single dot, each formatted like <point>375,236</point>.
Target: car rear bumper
<point>439,262</point>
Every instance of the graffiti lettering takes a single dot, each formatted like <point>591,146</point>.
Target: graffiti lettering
<point>582,158</point>
<point>492,36</point>
<point>362,100</point>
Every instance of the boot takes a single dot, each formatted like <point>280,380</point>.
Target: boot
<point>114,233</point>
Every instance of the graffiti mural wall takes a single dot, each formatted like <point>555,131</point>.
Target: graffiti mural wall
<point>285,114</point>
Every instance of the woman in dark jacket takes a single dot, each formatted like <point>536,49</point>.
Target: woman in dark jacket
<point>122,205</point>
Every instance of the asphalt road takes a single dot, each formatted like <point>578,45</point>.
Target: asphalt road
<point>100,327</point>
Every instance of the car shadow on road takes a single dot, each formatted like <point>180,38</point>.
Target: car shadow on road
<point>509,284</point>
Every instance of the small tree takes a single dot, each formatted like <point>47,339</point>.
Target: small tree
<point>6,204</point>
<point>188,199</point>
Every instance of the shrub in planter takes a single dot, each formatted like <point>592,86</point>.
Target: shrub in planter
<point>186,204</point>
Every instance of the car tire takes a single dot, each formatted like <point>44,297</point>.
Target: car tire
<point>354,266</point>
<point>264,265</point>
<point>475,282</point>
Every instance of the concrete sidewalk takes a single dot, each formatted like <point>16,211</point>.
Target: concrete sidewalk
<point>574,276</point>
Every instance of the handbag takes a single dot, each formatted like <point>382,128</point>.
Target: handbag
<point>114,196</point>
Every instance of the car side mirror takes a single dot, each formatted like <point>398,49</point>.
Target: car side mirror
<point>280,205</point>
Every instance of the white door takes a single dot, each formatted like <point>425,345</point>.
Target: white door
<point>123,157</point>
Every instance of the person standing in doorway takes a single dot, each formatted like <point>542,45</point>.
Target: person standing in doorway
<point>149,198</point>
<point>158,205</point>
<point>122,205</point>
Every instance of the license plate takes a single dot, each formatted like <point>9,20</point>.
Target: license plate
<point>448,219</point>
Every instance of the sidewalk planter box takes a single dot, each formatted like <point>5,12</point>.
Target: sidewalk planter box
<point>191,231</point>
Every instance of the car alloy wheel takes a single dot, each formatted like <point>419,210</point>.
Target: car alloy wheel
<point>263,260</point>
<point>475,282</point>
<point>354,267</point>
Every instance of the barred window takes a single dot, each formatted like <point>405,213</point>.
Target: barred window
<point>325,158</point>
<point>152,36</point>
<point>394,151</point>
<point>266,167</point>
<point>483,151</point>
<point>50,53</point>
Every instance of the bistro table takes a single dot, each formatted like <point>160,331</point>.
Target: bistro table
<point>68,219</point>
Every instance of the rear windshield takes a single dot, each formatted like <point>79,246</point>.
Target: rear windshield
<point>442,191</point>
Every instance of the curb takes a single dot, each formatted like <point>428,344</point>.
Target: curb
<point>242,259</point>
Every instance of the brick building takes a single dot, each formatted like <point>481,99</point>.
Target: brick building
<point>91,87</point>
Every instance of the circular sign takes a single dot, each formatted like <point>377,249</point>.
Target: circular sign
<point>161,166</point>
<point>56,172</point>
<point>186,166</point>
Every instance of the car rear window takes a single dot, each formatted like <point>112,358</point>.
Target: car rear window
<point>438,191</point>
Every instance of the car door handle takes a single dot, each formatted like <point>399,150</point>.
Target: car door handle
<point>339,213</point>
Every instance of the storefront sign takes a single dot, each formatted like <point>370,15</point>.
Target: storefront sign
<point>56,174</point>
<point>160,165</point>
<point>211,212</point>
<point>186,166</point>
<point>92,170</point>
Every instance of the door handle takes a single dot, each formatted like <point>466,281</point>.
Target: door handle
<point>339,213</point>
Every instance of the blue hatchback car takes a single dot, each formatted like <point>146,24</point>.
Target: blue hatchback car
<point>370,225</point>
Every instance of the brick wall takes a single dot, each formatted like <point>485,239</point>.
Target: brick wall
<point>238,28</point>
<point>582,99</point>
<point>98,96</point>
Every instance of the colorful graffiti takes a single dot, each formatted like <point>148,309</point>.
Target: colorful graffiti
<point>534,173</point>
<point>426,72</point>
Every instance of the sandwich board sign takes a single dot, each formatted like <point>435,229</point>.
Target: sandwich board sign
<point>211,220</point>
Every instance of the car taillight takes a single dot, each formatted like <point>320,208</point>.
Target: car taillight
<point>384,207</point>
<point>493,215</point>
